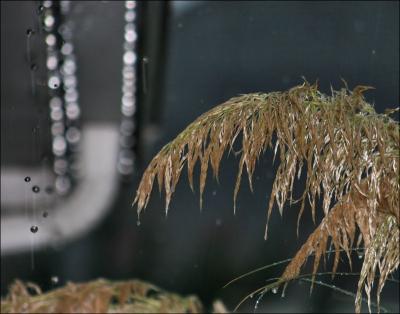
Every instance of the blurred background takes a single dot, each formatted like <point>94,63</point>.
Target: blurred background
<point>91,90</point>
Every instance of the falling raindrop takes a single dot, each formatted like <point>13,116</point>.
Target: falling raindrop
<point>34,67</point>
<point>275,290</point>
<point>49,189</point>
<point>35,189</point>
<point>54,279</point>
<point>40,9</point>
<point>27,179</point>
<point>138,223</point>
<point>29,32</point>
<point>214,192</point>
<point>34,229</point>
<point>283,293</point>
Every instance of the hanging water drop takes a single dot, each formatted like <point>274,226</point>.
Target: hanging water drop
<point>275,290</point>
<point>256,306</point>
<point>34,229</point>
<point>27,179</point>
<point>138,223</point>
<point>258,301</point>
<point>35,189</point>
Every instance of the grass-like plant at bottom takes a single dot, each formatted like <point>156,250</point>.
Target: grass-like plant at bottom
<point>101,296</point>
<point>303,277</point>
<point>350,154</point>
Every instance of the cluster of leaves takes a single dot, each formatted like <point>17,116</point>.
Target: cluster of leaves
<point>350,154</point>
<point>100,296</point>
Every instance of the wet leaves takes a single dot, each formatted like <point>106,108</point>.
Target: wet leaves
<point>100,296</point>
<point>349,152</point>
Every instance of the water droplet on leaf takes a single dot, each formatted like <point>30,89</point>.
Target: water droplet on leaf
<point>34,229</point>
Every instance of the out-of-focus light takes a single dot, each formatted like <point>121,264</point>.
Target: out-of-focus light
<point>130,16</point>
<point>63,185</point>
<point>130,4</point>
<point>51,40</point>
<point>67,49</point>
<point>59,145</point>
<point>73,111</point>
<point>52,62</point>
<point>73,135</point>
<point>54,82</point>
<point>49,21</point>
<point>129,57</point>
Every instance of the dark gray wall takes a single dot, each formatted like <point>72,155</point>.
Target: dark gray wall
<point>214,51</point>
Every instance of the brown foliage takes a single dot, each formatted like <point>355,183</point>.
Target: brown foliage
<point>100,296</point>
<point>349,152</point>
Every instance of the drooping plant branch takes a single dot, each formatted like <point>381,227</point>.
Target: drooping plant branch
<point>350,154</point>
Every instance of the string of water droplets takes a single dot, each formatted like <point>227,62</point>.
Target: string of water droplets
<point>62,90</point>
<point>128,128</point>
